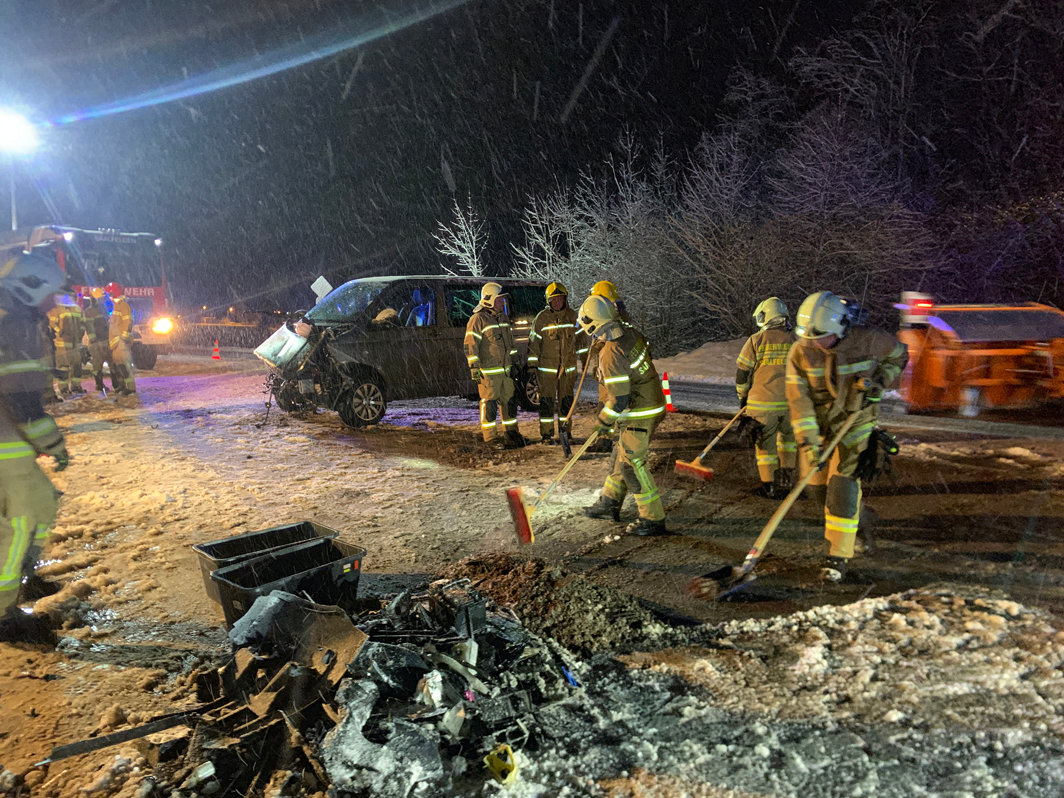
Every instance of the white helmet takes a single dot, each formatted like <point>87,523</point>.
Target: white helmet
<point>823,314</point>
<point>770,313</point>
<point>597,316</point>
<point>31,279</point>
<point>489,293</point>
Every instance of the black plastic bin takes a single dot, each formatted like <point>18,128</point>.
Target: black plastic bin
<point>325,570</point>
<point>217,554</point>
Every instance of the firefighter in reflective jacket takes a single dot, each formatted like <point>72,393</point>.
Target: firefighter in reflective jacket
<point>554,344</point>
<point>760,381</point>
<point>97,329</point>
<point>493,366</point>
<point>833,371</point>
<point>67,329</point>
<point>607,290</point>
<point>634,406</point>
<point>120,339</point>
<point>27,498</point>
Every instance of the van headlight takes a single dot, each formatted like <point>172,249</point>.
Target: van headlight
<point>162,326</point>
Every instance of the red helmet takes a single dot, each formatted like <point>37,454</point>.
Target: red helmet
<point>114,289</point>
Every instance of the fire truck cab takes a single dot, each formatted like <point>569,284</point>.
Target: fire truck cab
<point>974,357</point>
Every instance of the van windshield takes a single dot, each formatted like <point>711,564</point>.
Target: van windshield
<point>346,302</point>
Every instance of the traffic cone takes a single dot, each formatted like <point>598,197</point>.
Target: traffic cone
<point>668,394</point>
<point>216,355</point>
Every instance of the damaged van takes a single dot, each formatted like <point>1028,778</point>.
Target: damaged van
<point>378,339</point>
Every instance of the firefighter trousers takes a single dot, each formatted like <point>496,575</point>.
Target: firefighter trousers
<point>628,472</point>
<point>775,446</point>
<point>497,397</point>
<point>122,366</point>
<point>555,394</point>
<point>28,504</point>
<point>842,505</point>
<point>67,365</point>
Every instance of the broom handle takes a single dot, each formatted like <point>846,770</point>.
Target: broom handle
<point>727,427</point>
<point>576,396</point>
<point>792,497</point>
<point>579,452</point>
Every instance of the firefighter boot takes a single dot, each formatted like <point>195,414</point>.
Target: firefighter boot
<point>17,626</point>
<point>515,440</point>
<point>766,491</point>
<point>783,481</point>
<point>834,569</point>
<point>645,527</point>
<point>606,508</point>
<point>99,382</point>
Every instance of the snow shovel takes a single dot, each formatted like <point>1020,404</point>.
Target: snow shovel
<point>725,581</point>
<point>695,468</point>
<point>522,513</point>
<point>564,430</point>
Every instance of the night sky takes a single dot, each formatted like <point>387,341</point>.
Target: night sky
<point>343,165</point>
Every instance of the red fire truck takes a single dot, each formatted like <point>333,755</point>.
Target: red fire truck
<point>94,258</point>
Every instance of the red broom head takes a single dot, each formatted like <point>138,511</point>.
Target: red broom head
<point>694,469</point>
<point>521,516</point>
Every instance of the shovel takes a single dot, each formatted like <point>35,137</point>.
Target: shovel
<point>695,468</point>
<point>725,581</point>
<point>563,427</point>
<point>522,513</point>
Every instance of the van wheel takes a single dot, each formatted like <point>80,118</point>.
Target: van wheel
<point>363,405</point>
<point>144,357</point>
<point>527,388</point>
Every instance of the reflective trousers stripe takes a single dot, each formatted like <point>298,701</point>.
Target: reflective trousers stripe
<point>11,575</point>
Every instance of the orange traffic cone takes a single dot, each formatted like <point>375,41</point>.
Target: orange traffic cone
<point>668,394</point>
<point>216,355</point>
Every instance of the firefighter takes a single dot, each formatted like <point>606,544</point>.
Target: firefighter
<point>494,366</point>
<point>607,290</point>
<point>67,330</point>
<point>834,370</point>
<point>553,349</point>
<point>760,381</point>
<point>633,407</point>
<point>27,499</point>
<point>96,327</point>
<point>120,340</point>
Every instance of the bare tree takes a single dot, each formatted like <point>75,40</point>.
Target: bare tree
<point>463,240</point>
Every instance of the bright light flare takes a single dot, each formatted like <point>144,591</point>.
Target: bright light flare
<point>162,326</point>
<point>18,136</point>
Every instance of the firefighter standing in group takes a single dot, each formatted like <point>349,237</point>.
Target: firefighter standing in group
<point>633,407</point>
<point>494,365</point>
<point>760,381</point>
<point>833,371</point>
<point>96,328</point>
<point>67,330</point>
<point>120,340</point>
<point>27,499</point>
<point>554,344</point>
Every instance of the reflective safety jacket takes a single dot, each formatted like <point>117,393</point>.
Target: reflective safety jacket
<point>489,343</point>
<point>96,324</point>
<point>25,429</point>
<point>67,326</point>
<point>121,327</point>
<point>556,341</point>
<point>821,383</point>
<point>630,381</point>
<point>761,376</point>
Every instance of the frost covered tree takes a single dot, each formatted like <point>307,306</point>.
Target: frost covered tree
<point>464,240</point>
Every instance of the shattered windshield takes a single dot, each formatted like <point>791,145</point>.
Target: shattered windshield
<point>346,302</point>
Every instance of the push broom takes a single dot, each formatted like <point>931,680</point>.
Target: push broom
<point>694,468</point>
<point>522,512</point>
<point>725,581</point>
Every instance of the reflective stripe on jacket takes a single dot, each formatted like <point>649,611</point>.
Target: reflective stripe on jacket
<point>762,371</point>
<point>489,343</point>
<point>25,429</point>
<point>820,382</point>
<point>555,341</point>
<point>67,325</point>
<point>625,369</point>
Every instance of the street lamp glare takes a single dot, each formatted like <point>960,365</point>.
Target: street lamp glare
<point>17,134</point>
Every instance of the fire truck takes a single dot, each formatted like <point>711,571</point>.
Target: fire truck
<point>94,258</point>
<point>973,357</point>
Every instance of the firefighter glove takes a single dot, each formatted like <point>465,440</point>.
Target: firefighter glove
<point>62,458</point>
<point>871,390</point>
<point>603,430</point>
<point>812,457</point>
<point>515,372</point>
<point>476,375</point>
<point>742,401</point>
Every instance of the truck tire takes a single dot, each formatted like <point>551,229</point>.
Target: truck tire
<point>363,404</point>
<point>144,357</point>
<point>527,389</point>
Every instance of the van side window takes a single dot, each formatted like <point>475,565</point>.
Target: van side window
<point>461,304</point>
<point>419,310</point>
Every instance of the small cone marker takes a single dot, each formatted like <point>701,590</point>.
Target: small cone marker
<point>668,394</point>
<point>216,355</point>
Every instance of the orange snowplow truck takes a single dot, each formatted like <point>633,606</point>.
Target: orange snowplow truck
<point>974,357</point>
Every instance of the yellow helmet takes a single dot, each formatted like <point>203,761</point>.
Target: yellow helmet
<point>606,289</point>
<point>597,316</point>
<point>96,292</point>
<point>770,313</point>
<point>556,289</point>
